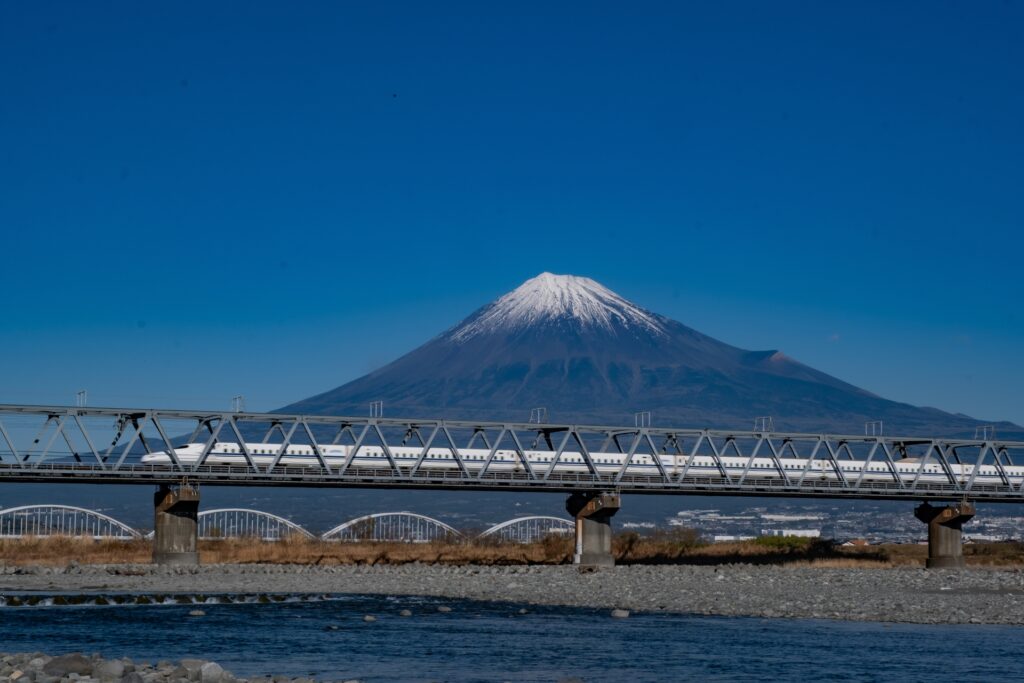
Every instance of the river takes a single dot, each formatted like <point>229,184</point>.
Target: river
<point>328,639</point>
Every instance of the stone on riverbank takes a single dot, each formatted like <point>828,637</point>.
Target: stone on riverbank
<point>64,665</point>
<point>211,672</point>
<point>109,670</point>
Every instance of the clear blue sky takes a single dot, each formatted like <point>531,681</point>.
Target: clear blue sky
<point>270,199</point>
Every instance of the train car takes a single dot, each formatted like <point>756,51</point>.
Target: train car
<point>406,458</point>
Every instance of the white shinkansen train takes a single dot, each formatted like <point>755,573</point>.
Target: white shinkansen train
<point>405,457</point>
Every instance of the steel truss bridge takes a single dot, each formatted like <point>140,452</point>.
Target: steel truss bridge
<point>38,521</point>
<point>104,445</point>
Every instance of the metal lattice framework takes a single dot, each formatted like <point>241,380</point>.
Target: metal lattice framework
<point>62,520</point>
<point>530,529</point>
<point>79,444</point>
<point>392,526</point>
<point>225,523</point>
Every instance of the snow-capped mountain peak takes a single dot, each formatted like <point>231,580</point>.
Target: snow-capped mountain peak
<point>558,298</point>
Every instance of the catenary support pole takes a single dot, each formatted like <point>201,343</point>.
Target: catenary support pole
<point>176,524</point>
<point>945,549</point>
<point>593,512</point>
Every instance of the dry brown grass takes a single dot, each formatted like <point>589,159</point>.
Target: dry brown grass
<point>304,551</point>
<point>60,550</point>
<point>672,547</point>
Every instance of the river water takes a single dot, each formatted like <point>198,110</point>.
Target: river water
<point>479,641</point>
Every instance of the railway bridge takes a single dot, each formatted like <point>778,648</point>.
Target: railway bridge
<point>593,464</point>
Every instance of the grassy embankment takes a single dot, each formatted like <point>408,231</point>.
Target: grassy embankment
<point>669,547</point>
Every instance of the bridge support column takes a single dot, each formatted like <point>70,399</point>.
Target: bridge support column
<point>176,524</point>
<point>945,550</point>
<point>593,513</point>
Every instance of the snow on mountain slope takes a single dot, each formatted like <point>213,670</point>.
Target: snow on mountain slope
<point>559,298</point>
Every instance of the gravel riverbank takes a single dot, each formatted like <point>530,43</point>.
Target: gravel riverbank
<point>78,668</point>
<point>975,596</point>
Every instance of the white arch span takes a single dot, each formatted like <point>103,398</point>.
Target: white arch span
<point>534,522</point>
<point>28,520</point>
<point>428,528</point>
<point>246,522</point>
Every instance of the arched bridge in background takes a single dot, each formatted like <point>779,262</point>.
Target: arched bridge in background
<point>226,523</point>
<point>530,529</point>
<point>62,520</point>
<point>393,526</point>
<point>241,522</point>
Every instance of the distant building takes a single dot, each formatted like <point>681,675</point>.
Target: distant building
<point>790,517</point>
<point>799,533</point>
<point>985,538</point>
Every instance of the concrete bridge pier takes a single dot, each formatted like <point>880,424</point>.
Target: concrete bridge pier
<point>176,524</point>
<point>945,549</point>
<point>593,512</point>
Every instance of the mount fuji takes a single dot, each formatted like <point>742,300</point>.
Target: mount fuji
<point>590,356</point>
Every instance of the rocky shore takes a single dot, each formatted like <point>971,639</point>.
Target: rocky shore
<point>79,668</point>
<point>974,596</point>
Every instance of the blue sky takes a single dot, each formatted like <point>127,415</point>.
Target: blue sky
<point>271,200</point>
